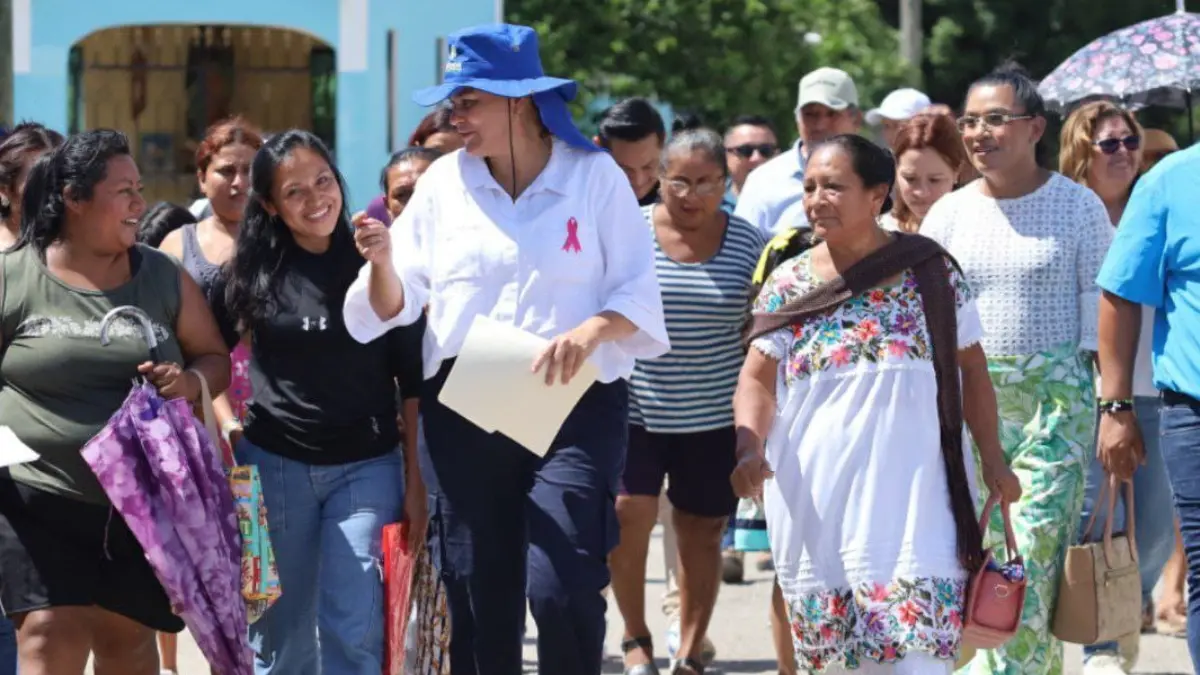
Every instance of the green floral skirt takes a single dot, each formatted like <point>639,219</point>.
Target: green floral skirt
<point>1047,424</point>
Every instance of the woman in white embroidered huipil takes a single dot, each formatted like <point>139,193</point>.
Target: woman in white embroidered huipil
<point>866,507</point>
<point>1031,243</point>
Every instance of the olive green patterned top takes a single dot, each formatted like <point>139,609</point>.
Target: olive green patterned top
<point>59,385</point>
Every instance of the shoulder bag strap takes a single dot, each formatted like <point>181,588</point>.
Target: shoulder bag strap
<point>903,252</point>
<point>210,418</point>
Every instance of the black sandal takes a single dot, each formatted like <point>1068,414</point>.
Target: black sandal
<point>690,664</point>
<point>647,644</point>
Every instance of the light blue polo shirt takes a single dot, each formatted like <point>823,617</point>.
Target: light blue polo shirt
<point>1155,260</point>
<point>770,190</point>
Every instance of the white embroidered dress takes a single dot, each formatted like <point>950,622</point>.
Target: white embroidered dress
<point>859,515</point>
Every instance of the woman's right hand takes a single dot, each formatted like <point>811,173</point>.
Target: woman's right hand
<point>1119,446</point>
<point>372,238</point>
<point>750,473</point>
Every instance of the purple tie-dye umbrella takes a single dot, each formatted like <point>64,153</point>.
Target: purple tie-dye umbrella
<point>163,475</point>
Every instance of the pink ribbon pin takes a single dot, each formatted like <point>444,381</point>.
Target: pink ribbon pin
<point>572,243</point>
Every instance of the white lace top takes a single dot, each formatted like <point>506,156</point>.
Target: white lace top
<point>1032,262</point>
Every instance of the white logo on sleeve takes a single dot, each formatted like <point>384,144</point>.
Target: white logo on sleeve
<point>315,323</point>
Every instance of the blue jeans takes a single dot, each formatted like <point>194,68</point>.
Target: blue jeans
<point>326,525</point>
<point>1155,519</point>
<point>1180,441</point>
<point>8,647</point>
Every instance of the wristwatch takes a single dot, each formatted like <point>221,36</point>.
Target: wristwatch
<point>1115,405</point>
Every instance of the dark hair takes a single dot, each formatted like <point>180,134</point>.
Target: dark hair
<point>873,165</point>
<point>231,131</point>
<point>752,121</point>
<point>696,140</point>
<point>406,155</point>
<point>160,220</point>
<point>25,138</point>
<point>265,245</point>
<point>1025,91</point>
<point>686,121</point>
<point>73,168</point>
<point>436,122</point>
<point>630,120</point>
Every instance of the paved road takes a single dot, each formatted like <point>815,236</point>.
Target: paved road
<point>742,634</point>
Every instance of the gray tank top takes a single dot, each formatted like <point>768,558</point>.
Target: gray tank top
<point>204,272</point>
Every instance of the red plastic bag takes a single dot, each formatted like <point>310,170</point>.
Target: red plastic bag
<point>398,565</point>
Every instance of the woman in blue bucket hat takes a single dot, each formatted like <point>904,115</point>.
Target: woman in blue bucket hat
<point>530,224</point>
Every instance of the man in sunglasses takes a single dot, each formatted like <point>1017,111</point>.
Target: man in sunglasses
<point>772,200</point>
<point>749,142</point>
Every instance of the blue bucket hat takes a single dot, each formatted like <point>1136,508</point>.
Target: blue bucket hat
<point>502,59</point>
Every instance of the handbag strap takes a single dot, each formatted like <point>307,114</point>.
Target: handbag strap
<point>210,417</point>
<point>903,252</point>
<point>1108,491</point>
<point>1010,535</point>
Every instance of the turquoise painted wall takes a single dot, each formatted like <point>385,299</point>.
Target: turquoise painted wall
<point>46,30</point>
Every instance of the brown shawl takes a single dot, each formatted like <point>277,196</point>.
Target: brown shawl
<point>927,261</point>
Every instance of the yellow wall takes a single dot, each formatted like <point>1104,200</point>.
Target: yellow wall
<point>274,100</point>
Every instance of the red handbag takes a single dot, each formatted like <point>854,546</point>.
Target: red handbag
<point>996,594</point>
<point>398,565</point>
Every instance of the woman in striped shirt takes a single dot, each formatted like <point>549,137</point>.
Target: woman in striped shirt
<point>681,404</point>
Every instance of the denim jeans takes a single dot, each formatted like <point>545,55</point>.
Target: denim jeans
<point>326,524</point>
<point>8,647</point>
<point>1180,441</point>
<point>1155,518</point>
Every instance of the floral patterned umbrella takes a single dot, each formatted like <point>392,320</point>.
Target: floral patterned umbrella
<point>1155,62</point>
<point>162,472</point>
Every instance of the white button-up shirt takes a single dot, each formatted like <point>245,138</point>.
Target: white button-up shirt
<point>572,245</point>
<point>773,197</point>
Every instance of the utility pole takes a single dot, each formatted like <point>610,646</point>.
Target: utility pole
<point>911,38</point>
<point>6,64</point>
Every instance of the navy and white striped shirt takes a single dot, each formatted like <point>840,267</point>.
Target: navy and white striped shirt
<point>690,388</point>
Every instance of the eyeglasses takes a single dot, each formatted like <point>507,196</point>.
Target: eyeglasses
<point>747,150</point>
<point>991,120</point>
<point>681,188</point>
<point>1110,146</point>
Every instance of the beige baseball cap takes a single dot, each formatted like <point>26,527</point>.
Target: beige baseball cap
<point>830,87</point>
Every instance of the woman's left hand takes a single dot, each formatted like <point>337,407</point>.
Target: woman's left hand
<point>565,354</point>
<point>1002,482</point>
<point>171,380</point>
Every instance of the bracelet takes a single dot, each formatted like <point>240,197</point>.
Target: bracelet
<point>1117,405</point>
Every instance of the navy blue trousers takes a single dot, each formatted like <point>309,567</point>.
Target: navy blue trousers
<point>507,527</point>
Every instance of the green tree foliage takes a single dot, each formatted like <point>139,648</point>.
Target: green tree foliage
<point>967,38</point>
<point>717,58</point>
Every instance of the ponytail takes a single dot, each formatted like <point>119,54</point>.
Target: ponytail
<point>42,204</point>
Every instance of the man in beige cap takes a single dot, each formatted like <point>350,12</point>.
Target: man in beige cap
<point>772,198</point>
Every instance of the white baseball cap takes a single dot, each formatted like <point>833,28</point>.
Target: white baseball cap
<point>899,105</point>
<point>829,87</point>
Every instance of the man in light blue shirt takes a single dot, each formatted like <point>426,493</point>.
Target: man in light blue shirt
<point>772,198</point>
<point>1155,261</point>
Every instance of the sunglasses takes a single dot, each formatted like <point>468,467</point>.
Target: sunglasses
<point>747,150</point>
<point>1110,146</point>
<point>990,120</point>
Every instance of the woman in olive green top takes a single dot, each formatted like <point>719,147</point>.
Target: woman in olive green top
<point>75,581</point>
